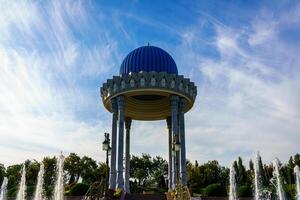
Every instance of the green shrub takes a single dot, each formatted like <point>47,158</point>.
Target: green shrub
<point>244,191</point>
<point>12,192</point>
<point>30,190</point>
<point>290,191</point>
<point>49,191</point>
<point>68,187</point>
<point>216,190</point>
<point>79,189</point>
<point>67,193</point>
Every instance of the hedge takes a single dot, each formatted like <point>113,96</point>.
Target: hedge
<point>79,189</point>
<point>216,190</point>
<point>244,191</point>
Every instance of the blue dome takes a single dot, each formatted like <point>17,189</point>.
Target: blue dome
<point>148,58</point>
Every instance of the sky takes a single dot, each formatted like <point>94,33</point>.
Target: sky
<point>242,55</point>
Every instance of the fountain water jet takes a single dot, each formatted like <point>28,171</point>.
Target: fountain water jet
<point>297,174</point>
<point>39,186</point>
<point>59,185</point>
<point>3,189</point>
<point>257,182</point>
<point>232,188</point>
<point>22,187</point>
<point>279,188</point>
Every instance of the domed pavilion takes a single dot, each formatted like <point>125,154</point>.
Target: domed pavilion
<point>148,87</point>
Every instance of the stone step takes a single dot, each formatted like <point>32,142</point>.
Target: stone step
<point>145,197</point>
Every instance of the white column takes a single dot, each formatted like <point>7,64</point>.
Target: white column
<point>121,108</point>
<point>182,141</point>
<point>127,154</point>
<point>169,124</point>
<point>112,177</point>
<point>174,110</point>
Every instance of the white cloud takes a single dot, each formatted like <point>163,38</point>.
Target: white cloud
<point>246,101</point>
<point>39,71</point>
<point>264,30</point>
<point>35,116</point>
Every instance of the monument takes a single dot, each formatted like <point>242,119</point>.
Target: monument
<point>148,87</point>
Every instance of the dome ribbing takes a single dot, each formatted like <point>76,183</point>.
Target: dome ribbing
<point>148,58</point>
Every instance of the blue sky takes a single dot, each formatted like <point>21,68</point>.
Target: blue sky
<point>242,55</point>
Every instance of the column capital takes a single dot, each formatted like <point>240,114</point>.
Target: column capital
<point>174,101</point>
<point>182,102</point>
<point>128,121</point>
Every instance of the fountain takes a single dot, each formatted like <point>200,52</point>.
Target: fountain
<point>22,187</point>
<point>257,182</point>
<point>3,189</point>
<point>59,185</point>
<point>39,186</point>
<point>232,188</point>
<point>297,173</point>
<point>279,188</point>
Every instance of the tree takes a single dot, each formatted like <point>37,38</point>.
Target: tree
<point>236,169</point>
<point>88,170</point>
<point>2,173</point>
<point>72,167</point>
<point>224,176</point>
<point>158,171</point>
<point>212,171</point>
<point>241,175</point>
<point>49,175</point>
<point>32,170</point>
<point>251,165</point>
<point>250,172</point>
<point>102,171</point>
<point>148,173</point>
<point>297,159</point>
<point>264,173</point>
<point>140,168</point>
<point>267,174</point>
<point>13,175</point>
<point>288,171</point>
<point>193,177</point>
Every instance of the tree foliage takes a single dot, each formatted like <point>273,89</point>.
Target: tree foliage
<point>149,173</point>
<point>73,167</point>
<point>2,173</point>
<point>215,190</point>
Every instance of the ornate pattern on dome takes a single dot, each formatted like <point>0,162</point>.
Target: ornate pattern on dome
<point>148,58</point>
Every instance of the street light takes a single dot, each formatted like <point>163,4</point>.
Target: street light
<point>177,146</point>
<point>109,151</point>
<point>106,147</point>
<point>105,143</point>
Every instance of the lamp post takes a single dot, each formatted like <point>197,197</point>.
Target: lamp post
<point>106,147</point>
